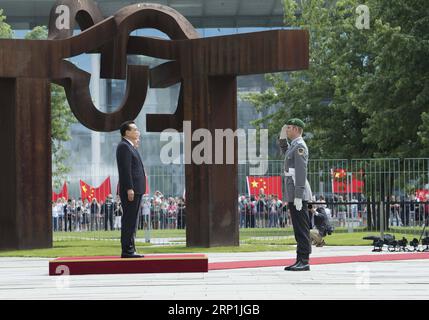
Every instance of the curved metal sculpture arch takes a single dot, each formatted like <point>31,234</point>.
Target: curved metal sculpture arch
<point>206,68</point>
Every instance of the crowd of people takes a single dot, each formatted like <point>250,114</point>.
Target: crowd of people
<point>262,211</point>
<point>268,211</point>
<point>156,212</point>
<point>77,215</point>
<point>408,211</point>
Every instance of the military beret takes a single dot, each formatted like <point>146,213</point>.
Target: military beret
<point>296,122</point>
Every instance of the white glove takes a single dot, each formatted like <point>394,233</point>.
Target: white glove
<point>283,134</point>
<point>298,204</point>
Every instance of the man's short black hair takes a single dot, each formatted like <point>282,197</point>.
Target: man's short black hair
<point>125,127</point>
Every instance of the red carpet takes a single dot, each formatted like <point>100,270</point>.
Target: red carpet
<point>163,263</point>
<point>319,260</point>
<point>115,265</point>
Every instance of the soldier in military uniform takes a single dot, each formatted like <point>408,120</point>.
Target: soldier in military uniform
<point>298,191</point>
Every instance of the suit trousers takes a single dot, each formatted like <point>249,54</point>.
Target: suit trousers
<point>129,222</point>
<point>301,229</point>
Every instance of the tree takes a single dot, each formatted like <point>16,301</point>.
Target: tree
<point>366,91</point>
<point>5,29</point>
<point>62,119</point>
<point>396,92</point>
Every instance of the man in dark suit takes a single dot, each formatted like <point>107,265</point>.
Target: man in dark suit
<point>132,185</point>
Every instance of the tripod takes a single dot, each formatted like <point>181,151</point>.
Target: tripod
<point>424,228</point>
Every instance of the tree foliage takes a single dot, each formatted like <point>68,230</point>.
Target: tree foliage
<point>366,92</point>
<point>5,29</point>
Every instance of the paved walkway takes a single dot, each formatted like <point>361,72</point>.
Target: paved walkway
<point>27,278</point>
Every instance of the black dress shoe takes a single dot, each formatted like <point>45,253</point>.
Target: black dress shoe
<point>300,266</point>
<point>289,267</point>
<point>132,255</point>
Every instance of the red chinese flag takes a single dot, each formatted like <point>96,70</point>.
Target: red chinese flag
<point>357,186</point>
<point>421,194</point>
<point>86,191</point>
<point>147,186</point>
<point>271,185</point>
<point>100,193</point>
<point>103,190</point>
<point>340,174</point>
<point>340,184</point>
<point>63,194</point>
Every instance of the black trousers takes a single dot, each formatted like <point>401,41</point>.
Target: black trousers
<point>301,229</point>
<point>129,222</point>
<point>108,221</point>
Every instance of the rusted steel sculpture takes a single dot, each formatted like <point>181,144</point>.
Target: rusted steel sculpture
<point>206,68</point>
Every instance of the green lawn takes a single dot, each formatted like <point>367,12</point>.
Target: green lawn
<point>251,240</point>
<point>98,235</point>
<point>335,239</point>
<point>416,231</point>
<point>173,233</point>
<point>106,248</point>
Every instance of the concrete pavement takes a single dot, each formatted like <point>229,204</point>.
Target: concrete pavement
<point>27,278</point>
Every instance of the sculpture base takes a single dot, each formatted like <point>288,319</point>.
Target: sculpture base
<point>25,183</point>
<point>151,263</point>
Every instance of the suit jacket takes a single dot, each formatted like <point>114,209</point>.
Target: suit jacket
<point>295,167</point>
<point>131,170</point>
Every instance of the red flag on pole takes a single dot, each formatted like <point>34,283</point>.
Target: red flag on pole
<point>271,185</point>
<point>147,186</point>
<point>421,194</point>
<point>342,185</point>
<point>100,193</point>
<point>63,194</point>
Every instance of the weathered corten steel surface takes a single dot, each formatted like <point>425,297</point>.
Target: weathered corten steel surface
<point>206,68</point>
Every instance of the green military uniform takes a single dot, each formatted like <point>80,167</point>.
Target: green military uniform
<point>297,186</point>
